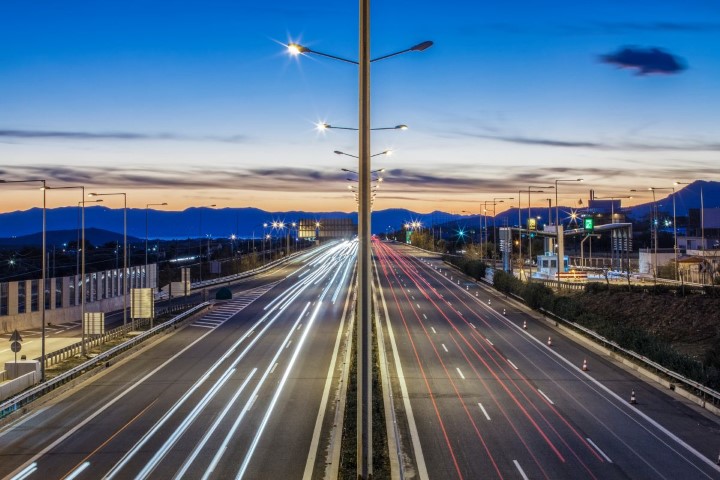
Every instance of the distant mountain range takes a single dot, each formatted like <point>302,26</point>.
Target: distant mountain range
<point>105,225</point>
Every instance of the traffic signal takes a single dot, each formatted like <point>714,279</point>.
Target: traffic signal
<point>588,223</point>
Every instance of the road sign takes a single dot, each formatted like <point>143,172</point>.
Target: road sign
<point>15,347</point>
<point>15,337</point>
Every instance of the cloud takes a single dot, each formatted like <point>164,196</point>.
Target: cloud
<point>646,61</point>
<point>123,136</point>
<point>697,146</point>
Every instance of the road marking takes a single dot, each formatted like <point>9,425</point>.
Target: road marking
<point>600,451</point>
<point>424,316</point>
<point>288,343</point>
<point>461,375</point>
<point>484,411</point>
<point>21,421</point>
<point>412,296</point>
<point>522,473</point>
<point>546,397</point>
<point>26,472</point>
<point>491,343</point>
<point>78,471</point>
<point>513,365</point>
<point>444,347</point>
<point>251,402</point>
<point>418,305</point>
<point>472,325</point>
<point>433,329</point>
<point>274,367</point>
<point>299,326</point>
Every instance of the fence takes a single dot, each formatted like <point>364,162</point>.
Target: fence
<point>695,387</point>
<point>13,404</point>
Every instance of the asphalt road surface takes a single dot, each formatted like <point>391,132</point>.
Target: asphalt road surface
<point>237,393</point>
<point>486,398</point>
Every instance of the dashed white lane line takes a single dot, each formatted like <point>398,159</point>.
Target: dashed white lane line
<point>418,305</point>
<point>599,451</point>
<point>274,367</point>
<point>424,316</point>
<point>288,344</point>
<point>444,347</point>
<point>491,343</point>
<point>460,373</point>
<point>484,411</point>
<point>433,329</point>
<point>513,365</point>
<point>472,325</point>
<point>546,397</point>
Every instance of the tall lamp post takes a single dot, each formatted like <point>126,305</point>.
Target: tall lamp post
<point>557,209</point>
<point>200,237</point>
<point>147,209</point>
<point>495,202</point>
<point>43,270</point>
<point>82,262</point>
<point>125,254</point>
<point>675,249</point>
<point>364,330</point>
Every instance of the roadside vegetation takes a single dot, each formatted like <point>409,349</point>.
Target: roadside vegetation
<point>677,327</point>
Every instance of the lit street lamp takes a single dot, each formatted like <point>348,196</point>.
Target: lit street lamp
<point>557,211</point>
<point>200,238</point>
<point>529,191</point>
<point>364,330</point>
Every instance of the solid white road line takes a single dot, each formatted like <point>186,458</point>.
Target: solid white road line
<point>522,472</point>
<point>484,411</point>
<point>546,397</point>
<point>599,451</point>
<point>414,436</point>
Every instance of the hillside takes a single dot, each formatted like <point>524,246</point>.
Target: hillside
<point>689,324</point>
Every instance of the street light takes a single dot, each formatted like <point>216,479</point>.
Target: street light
<point>147,207</point>
<point>364,330</point>
<point>386,152</point>
<point>82,262</point>
<point>44,268</point>
<point>529,191</point>
<point>125,255</point>
<point>612,203</point>
<point>200,237</point>
<point>557,210</point>
<point>326,126</point>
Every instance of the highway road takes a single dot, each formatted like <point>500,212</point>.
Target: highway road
<point>480,396</point>
<point>240,393</point>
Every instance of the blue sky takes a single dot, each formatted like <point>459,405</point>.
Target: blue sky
<point>198,103</point>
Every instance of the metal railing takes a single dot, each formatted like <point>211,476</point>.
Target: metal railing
<point>694,386</point>
<point>28,396</point>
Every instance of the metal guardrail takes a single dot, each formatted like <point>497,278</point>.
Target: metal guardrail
<point>714,395</point>
<point>248,273</point>
<point>71,350</point>
<point>28,396</point>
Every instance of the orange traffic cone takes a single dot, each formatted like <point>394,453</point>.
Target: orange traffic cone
<point>549,342</point>
<point>584,367</point>
<point>633,400</point>
<point>524,324</point>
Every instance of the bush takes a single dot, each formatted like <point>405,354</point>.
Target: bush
<point>223,294</point>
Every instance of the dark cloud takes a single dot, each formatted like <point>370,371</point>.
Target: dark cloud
<point>123,136</point>
<point>697,146</point>
<point>646,61</point>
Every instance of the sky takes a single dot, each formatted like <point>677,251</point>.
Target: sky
<point>199,103</point>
